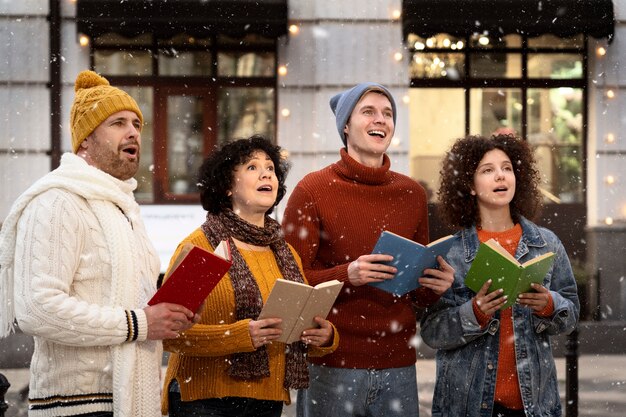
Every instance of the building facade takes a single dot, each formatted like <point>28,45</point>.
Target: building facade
<point>206,71</point>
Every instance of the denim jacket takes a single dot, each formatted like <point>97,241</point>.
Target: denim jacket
<point>467,355</point>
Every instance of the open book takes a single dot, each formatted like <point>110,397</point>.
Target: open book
<point>493,262</point>
<point>298,304</point>
<point>193,275</point>
<point>410,258</point>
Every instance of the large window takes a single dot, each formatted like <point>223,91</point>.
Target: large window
<point>480,84</point>
<point>195,94</point>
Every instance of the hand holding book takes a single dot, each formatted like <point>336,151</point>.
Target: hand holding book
<point>493,262</point>
<point>297,304</point>
<point>411,259</point>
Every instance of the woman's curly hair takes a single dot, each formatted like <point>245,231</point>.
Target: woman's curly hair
<point>457,207</point>
<point>215,177</point>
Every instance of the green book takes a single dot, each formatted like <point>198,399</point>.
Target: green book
<point>494,262</point>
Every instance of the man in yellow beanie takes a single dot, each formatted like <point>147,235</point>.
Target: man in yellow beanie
<point>77,270</point>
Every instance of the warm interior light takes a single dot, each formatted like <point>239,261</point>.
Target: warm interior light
<point>483,40</point>
<point>294,29</point>
<point>282,70</point>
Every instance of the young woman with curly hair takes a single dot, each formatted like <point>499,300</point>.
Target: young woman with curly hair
<point>489,189</point>
<point>230,364</point>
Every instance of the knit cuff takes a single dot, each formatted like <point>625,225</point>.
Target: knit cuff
<point>548,309</point>
<point>482,318</point>
<point>137,325</point>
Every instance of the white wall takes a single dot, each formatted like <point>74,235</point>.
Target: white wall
<point>607,116</point>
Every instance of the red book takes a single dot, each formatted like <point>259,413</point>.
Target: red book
<point>193,275</point>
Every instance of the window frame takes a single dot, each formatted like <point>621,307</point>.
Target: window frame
<point>565,219</point>
<point>204,85</point>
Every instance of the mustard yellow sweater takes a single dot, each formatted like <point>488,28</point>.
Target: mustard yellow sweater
<point>199,357</point>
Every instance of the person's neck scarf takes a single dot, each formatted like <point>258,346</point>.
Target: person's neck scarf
<point>248,301</point>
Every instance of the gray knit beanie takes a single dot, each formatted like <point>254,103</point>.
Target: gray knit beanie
<point>343,103</point>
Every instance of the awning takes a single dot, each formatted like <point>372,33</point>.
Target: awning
<point>167,18</point>
<point>563,18</point>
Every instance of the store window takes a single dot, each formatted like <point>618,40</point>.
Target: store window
<point>196,94</point>
<point>480,84</point>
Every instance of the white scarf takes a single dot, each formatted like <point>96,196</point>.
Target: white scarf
<point>100,190</point>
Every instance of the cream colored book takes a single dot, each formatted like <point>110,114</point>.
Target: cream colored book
<point>297,304</point>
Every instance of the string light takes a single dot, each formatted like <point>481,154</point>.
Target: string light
<point>608,221</point>
<point>610,94</point>
<point>398,56</point>
<point>294,29</point>
<point>282,70</point>
<point>395,14</point>
<point>406,99</point>
<point>610,138</point>
<point>609,179</point>
<point>285,112</point>
<point>601,51</point>
<point>83,40</point>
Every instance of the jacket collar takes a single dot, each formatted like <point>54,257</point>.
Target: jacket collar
<point>531,237</point>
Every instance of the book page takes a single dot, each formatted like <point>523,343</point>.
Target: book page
<point>441,239</point>
<point>223,250</point>
<point>538,259</point>
<point>493,244</point>
<point>319,304</point>
<point>181,255</point>
<point>286,301</point>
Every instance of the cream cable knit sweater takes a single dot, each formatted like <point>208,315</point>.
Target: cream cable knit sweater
<point>76,269</point>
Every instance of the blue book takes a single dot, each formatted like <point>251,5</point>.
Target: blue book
<point>411,259</point>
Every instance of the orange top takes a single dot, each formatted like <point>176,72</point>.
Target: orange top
<point>507,385</point>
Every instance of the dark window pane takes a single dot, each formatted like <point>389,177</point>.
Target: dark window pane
<point>555,66</point>
<point>136,63</point>
<point>437,65</point>
<point>495,65</point>
<point>555,131</point>
<point>495,108</point>
<point>243,112</point>
<point>246,64</point>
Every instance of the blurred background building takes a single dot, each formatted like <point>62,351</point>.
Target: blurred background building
<point>207,71</point>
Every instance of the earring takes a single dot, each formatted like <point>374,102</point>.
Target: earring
<point>229,193</point>
<point>472,192</point>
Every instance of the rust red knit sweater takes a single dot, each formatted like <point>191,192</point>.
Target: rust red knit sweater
<point>336,215</point>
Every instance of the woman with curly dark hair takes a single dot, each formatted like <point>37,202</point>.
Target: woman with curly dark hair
<point>230,364</point>
<point>489,190</point>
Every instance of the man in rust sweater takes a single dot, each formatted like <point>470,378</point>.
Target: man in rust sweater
<point>333,218</point>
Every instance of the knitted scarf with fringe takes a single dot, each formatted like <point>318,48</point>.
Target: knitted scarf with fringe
<point>248,301</point>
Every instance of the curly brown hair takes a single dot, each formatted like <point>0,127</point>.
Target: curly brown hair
<point>215,177</point>
<point>457,207</point>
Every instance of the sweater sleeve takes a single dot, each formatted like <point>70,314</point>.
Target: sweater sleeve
<point>301,224</point>
<point>47,269</point>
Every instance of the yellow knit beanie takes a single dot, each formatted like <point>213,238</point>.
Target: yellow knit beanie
<point>96,100</point>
